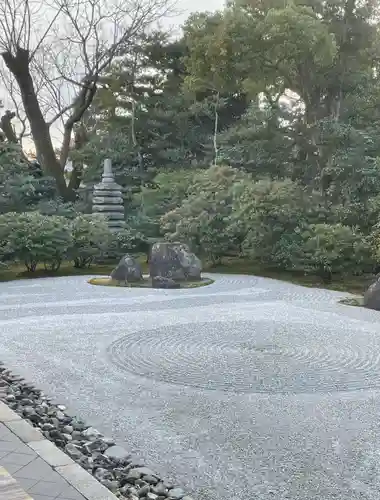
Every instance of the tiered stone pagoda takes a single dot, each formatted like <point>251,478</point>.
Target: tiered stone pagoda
<point>107,199</point>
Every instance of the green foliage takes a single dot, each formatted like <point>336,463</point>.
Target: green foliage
<point>258,143</point>
<point>203,219</point>
<point>267,213</point>
<point>58,207</point>
<point>124,241</point>
<point>90,237</point>
<point>327,249</point>
<point>148,206</point>
<point>170,189</point>
<point>33,238</point>
<point>22,186</point>
<point>285,93</point>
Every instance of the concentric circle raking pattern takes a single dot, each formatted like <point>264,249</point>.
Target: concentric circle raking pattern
<point>232,357</point>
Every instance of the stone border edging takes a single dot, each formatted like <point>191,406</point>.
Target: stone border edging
<point>73,473</point>
<point>77,444</point>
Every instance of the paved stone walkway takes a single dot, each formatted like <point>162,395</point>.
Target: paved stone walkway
<point>33,468</point>
<point>246,389</point>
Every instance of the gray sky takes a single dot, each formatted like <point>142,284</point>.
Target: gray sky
<point>189,6</point>
<point>194,5</point>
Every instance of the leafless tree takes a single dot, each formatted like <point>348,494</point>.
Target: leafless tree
<point>55,52</point>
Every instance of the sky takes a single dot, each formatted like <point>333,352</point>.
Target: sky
<point>186,7</point>
<point>194,5</point>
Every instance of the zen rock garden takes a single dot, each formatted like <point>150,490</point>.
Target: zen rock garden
<point>171,265</point>
<point>198,388</point>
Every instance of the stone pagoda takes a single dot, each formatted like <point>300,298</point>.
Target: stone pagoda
<point>107,199</point>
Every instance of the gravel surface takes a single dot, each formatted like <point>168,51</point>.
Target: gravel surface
<point>246,389</point>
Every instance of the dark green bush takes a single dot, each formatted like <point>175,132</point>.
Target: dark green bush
<point>33,238</point>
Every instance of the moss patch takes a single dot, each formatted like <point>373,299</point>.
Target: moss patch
<point>146,283</point>
<point>347,283</point>
<point>18,271</point>
<point>230,265</point>
<point>352,301</point>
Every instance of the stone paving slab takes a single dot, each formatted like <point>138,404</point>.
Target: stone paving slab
<point>9,489</point>
<point>31,463</point>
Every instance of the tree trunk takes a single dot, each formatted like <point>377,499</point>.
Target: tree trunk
<point>18,65</point>
<point>80,139</point>
<point>216,126</point>
<point>6,127</point>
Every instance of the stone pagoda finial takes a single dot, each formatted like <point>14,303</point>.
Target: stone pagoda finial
<point>108,200</point>
<point>107,172</point>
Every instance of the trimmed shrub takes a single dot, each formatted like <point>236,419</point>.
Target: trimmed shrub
<point>33,238</point>
<point>327,249</point>
<point>90,238</point>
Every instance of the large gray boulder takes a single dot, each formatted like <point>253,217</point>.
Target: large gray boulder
<point>127,270</point>
<point>175,261</point>
<point>372,296</point>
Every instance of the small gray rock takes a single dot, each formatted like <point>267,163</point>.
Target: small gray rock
<point>61,407</point>
<point>150,479</point>
<point>133,475</point>
<point>86,462</point>
<point>111,485</point>
<point>68,429</point>
<point>28,410</point>
<point>130,490</point>
<point>140,483</point>
<point>176,493</point>
<point>91,433</point>
<point>73,451</point>
<point>10,397</point>
<point>127,270</point>
<point>79,425</point>
<point>143,491</point>
<point>48,427</point>
<point>108,441</point>
<point>91,446</point>
<point>117,453</point>
<point>103,474</point>
<point>145,471</point>
<point>151,496</point>
<point>160,489</point>
<point>60,415</point>
<point>27,402</point>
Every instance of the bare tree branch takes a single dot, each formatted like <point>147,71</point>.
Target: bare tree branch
<point>56,52</point>
<point>47,31</point>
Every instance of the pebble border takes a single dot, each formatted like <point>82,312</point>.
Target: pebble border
<point>76,443</point>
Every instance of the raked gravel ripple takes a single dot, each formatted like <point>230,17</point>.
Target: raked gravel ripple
<point>246,389</point>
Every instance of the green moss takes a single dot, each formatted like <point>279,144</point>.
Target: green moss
<point>234,265</point>
<point>230,265</point>
<point>18,271</point>
<point>146,283</point>
<point>352,301</point>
